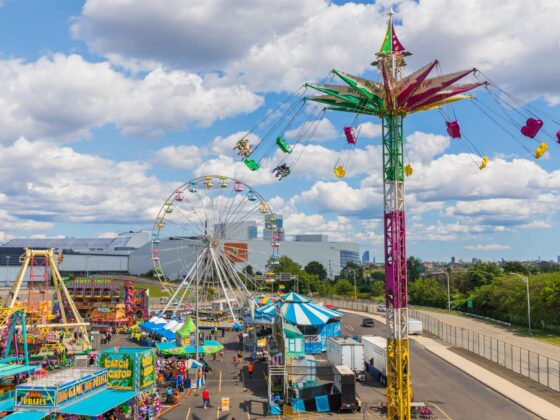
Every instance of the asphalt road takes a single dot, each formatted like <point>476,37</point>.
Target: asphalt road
<point>454,394</point>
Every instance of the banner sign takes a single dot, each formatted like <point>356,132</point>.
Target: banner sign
<point>147,369</point>
<point>121,369</point>
<point>236,252</point>
<point>82,386</point>
<point>44,397</point>
<point>51,397</point>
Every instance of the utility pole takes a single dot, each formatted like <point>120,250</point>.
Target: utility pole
<point>448,289</point>
<point>526,280</point>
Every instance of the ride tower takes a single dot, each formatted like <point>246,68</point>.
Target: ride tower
<point>391,99</point>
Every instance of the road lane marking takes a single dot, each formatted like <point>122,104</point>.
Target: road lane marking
<point>441,410</point>
<point>350,327</point>
<point>220,384</point>
<point>188,413</point>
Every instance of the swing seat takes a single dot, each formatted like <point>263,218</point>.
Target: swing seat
<point>531,127</point>
<point>558,136</point>
<point>349,133</point>
<point>339,171</point>
<point>408,169</point>
<point>484,162</point>
<point>283,145</point>
<point>252,164</point>
<point>541,150</point>
<point>453,129</point>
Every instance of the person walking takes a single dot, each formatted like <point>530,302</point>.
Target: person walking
<point>250,368</point>
<point>222,355</point>
<point>235,360</point>
<point>205,398</point>
<point>223,332</point>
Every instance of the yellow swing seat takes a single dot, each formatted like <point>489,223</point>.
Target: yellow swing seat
<point>339,171</point>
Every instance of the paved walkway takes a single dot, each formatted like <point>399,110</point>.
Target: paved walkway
<point>537,346</point>
<point>524,398</point>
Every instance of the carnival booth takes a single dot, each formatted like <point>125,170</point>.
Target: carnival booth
<point>315,322</point>
<point>86,393</point>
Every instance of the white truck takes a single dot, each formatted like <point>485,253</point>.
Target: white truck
<point>414,326</point>
<point>375,357</point>
<point>347,352</point>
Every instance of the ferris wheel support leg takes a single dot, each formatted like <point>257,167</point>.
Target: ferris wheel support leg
<point>399,390</point>
<point>219,272</point>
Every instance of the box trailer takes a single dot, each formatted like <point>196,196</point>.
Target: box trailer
<point>414,326</point>
<point>375,357</point>
<point>348,352</point>
<point>345,385</point>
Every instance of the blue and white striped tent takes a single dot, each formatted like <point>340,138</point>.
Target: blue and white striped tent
<point>269,309</point>
<point>299,310</point>
<point>295,298</point>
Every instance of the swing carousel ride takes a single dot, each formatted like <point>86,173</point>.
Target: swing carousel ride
<point>52,325</point>
<point>200,237</point>
<point>391,98</point>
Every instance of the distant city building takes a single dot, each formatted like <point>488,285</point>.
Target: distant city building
<point>365,256</point>
<point>237,231</point>
<point>453,260</point>
<point>558,259</point>
<point>276,220</point>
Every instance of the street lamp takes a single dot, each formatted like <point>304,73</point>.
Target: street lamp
<point>353,270</point>
<point>448,288</point>
<point>526,280</point>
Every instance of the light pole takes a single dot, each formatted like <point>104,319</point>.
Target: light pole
<point>448,288</point>
<point>353,270</point>
<point>526,280</point>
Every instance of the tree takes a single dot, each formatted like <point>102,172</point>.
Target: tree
<point>315,267</point>
<point>414,268</point>
<point>287,265</point>
<point>515,267</point>
<point>248,270</point>
<point>428,292</point>
<point>348,272</point>
<point>343,287</point>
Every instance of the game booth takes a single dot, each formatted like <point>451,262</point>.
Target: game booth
<point>122,385</point>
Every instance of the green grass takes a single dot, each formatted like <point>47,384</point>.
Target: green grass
<point>155,290</point>
<point>546,336</point>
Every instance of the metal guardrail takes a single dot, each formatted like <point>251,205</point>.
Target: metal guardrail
<point>530,364</point>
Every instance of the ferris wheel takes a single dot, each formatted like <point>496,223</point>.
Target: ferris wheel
<point>200,236</point>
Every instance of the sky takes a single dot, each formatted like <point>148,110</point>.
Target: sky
<point>106,107</point>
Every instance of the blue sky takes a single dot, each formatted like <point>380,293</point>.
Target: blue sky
<point>107,106</point>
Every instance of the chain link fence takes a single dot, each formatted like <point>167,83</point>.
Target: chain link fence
<point>532,365</point>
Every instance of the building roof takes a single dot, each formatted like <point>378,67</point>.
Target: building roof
<point>127,241</point>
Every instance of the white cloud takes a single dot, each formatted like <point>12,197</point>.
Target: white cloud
<point>319,130</point>
<point>369,130</point>
<point>280,44</point>
<point>341,197</point>
<point>423,147</point>
<point>180,157</point>
<point>188,33</point>
<point>66,186</point>
<point>64,97</point>
<point>487,247</point>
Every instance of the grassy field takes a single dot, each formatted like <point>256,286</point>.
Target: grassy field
<point>156,291</point>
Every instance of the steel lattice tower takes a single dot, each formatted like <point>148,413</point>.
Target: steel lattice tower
<point>391,100</point>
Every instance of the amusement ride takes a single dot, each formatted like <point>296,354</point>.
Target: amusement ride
<point>199,237</point>
<point>282,137</point>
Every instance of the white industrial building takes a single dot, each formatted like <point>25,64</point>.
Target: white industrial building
<point>177,254</point>
<point>131,252</point>
<point>81,255</point>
